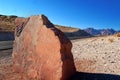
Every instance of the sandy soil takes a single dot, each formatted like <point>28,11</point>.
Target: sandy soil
<point>91,55</point>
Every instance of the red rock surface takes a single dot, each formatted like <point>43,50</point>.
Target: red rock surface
<point>20,23</point>
<point>42,52</point>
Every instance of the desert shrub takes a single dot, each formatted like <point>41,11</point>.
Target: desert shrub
<point>118,34</point>
<point>111,40</point>
<point>102,39</point>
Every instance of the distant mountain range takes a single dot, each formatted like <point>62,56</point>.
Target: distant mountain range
<point>100,32</point>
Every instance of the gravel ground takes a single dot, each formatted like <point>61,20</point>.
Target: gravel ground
<point>97,55</point>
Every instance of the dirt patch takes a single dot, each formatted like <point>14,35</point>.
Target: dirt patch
<point>85,65</point>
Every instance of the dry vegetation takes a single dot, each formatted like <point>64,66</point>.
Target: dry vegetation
<point>111,40</point>
<point>118,34</point>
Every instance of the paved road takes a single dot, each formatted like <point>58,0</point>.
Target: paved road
<point>6,45</point>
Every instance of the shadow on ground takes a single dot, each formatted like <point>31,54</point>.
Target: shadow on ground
<point>94,76</point>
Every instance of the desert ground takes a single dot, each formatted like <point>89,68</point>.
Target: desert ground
<point>97,55</point>
<point>96,58</point>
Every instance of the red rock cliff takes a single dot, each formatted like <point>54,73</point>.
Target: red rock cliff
<point>42,52</point>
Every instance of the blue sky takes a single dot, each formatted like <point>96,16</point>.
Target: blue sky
<point>76,13</point>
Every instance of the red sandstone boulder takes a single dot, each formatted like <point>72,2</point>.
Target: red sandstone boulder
<point>42,52</point>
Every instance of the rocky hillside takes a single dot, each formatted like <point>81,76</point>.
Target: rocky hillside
<point>100,32</point>
<point>7,25</point>
<point>73,33</point>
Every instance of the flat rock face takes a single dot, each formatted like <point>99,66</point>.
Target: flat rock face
<point>42,52</point>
